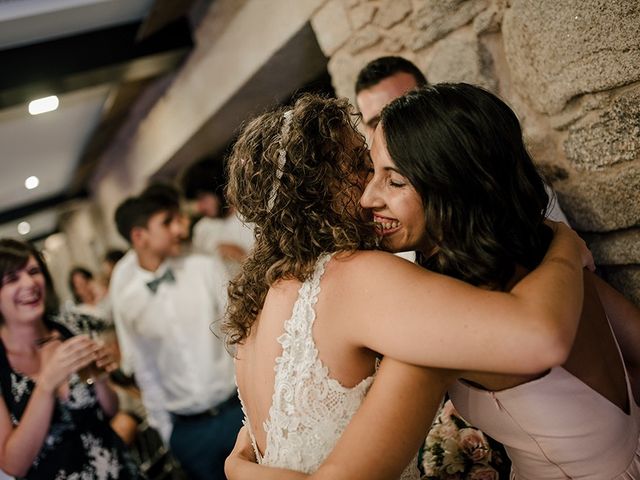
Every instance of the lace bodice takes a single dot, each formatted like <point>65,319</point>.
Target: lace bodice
<point>309,409</point>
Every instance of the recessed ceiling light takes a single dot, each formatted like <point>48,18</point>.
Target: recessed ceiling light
<point>24,228</point>
<point>31,182</point>
<point>43,105</point>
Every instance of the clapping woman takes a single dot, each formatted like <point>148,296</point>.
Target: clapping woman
<point>53,423</point>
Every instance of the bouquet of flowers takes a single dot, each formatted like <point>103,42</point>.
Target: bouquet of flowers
<point>454,450</point>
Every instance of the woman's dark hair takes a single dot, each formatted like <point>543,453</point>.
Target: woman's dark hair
<point>297,176</point>
<point>78,271</point>
<point>14,255</point>
<point>462,149</point>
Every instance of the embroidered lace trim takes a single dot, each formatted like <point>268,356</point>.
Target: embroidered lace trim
<point>309,409</point>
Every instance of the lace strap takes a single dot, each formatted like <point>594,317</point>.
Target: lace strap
<point>301,321</point>
<point>311,288</point>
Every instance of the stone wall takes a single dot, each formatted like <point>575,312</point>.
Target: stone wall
<point>570,70</point>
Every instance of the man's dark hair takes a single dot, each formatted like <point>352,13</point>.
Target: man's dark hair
<point>113,256</point>
<point>136,211</point>
<point>203,177</point>
<point>377,70</point>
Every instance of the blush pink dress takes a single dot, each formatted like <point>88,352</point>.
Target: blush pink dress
<point>557,427</point>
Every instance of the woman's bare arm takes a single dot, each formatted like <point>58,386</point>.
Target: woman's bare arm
<point>419,317</point>
<point>380,441</point>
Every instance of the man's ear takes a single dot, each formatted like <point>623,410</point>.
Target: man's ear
<point>138,236</point>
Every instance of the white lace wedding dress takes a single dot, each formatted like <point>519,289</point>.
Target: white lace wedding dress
<point>309,410</point>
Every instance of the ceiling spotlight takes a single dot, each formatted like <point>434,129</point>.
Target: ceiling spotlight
<point>24,228</point>
<point>43,105</point>
<point>31,182</point>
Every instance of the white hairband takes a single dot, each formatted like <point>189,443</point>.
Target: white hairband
<point>282,158</point>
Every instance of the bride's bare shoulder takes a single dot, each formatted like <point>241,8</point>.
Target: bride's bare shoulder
<point>372,263</point>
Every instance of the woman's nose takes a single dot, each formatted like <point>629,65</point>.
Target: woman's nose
<point>370,197</point>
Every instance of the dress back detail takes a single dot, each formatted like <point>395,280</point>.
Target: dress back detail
<point>309,409</point>
<point>556,427</point>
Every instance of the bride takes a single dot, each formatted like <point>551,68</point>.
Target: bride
<point>315,307</point>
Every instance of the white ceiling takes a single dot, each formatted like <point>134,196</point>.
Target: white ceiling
<point>50,145</point>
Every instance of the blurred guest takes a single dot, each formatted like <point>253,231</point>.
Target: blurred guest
<point>164,303</point>
<point>55,401</point>
<point>108,262</point>
<point>88,295</point>
<point>220,230</point>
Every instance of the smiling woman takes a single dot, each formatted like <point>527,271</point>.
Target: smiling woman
<point>51,421</point>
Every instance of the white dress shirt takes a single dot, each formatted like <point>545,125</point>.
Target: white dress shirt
<point>166,338</point>
<point>209,233</point>
<point>554,212</point>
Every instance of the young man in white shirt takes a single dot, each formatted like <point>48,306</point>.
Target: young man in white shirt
<point>166,308</point>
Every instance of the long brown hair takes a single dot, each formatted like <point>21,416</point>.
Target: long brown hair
<point>300,209</point>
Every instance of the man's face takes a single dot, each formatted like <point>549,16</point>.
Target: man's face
<point>164,233</point>
<point>372,100</point>
<point>208,205</point>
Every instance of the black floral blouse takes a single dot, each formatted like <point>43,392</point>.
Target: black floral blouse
<point>80,444</point>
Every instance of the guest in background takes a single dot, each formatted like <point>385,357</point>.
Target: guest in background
<point>164,304</point>
<point>219,231</point>
<point>53,422</point>
<point>109,262</point>
<point>89,295</point>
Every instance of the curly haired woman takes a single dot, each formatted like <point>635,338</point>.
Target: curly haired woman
<point>315,306</point>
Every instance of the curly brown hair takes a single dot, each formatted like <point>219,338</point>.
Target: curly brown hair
<point>315,205</point>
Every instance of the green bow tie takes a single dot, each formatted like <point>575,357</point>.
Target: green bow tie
<point>167,276</point>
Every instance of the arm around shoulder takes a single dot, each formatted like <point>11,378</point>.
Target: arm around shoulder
<point>419,317</point>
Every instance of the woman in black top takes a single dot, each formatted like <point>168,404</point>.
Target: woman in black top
<point>53,424</point>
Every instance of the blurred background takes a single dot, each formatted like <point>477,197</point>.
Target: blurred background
<point>145,88</point>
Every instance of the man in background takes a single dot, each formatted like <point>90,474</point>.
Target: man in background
<point>167,306</point>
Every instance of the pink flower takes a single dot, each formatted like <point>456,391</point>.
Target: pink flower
<point>482,472</point>
<point>474,445</point>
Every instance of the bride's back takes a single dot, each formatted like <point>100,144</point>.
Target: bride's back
<point>257,357</point>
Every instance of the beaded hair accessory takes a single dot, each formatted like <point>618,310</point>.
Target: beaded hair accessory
<point>282,158</point>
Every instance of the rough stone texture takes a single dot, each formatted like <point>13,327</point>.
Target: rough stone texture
<point>351,3</point>
<point>490,20</point>
<point>473,63</point>
<point>392,12</point>
<point>608,200</point>
<point>626,280</point>
<point>615,248</point>
<point>557,50</point>
<point>613,137</point>
<point>344,70</point>
<point>362,15</point>
<point>364,39</point>
<point>331,26</point>
<point>578,108</point>
<point>439,17</point>
<point>393,43</point>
